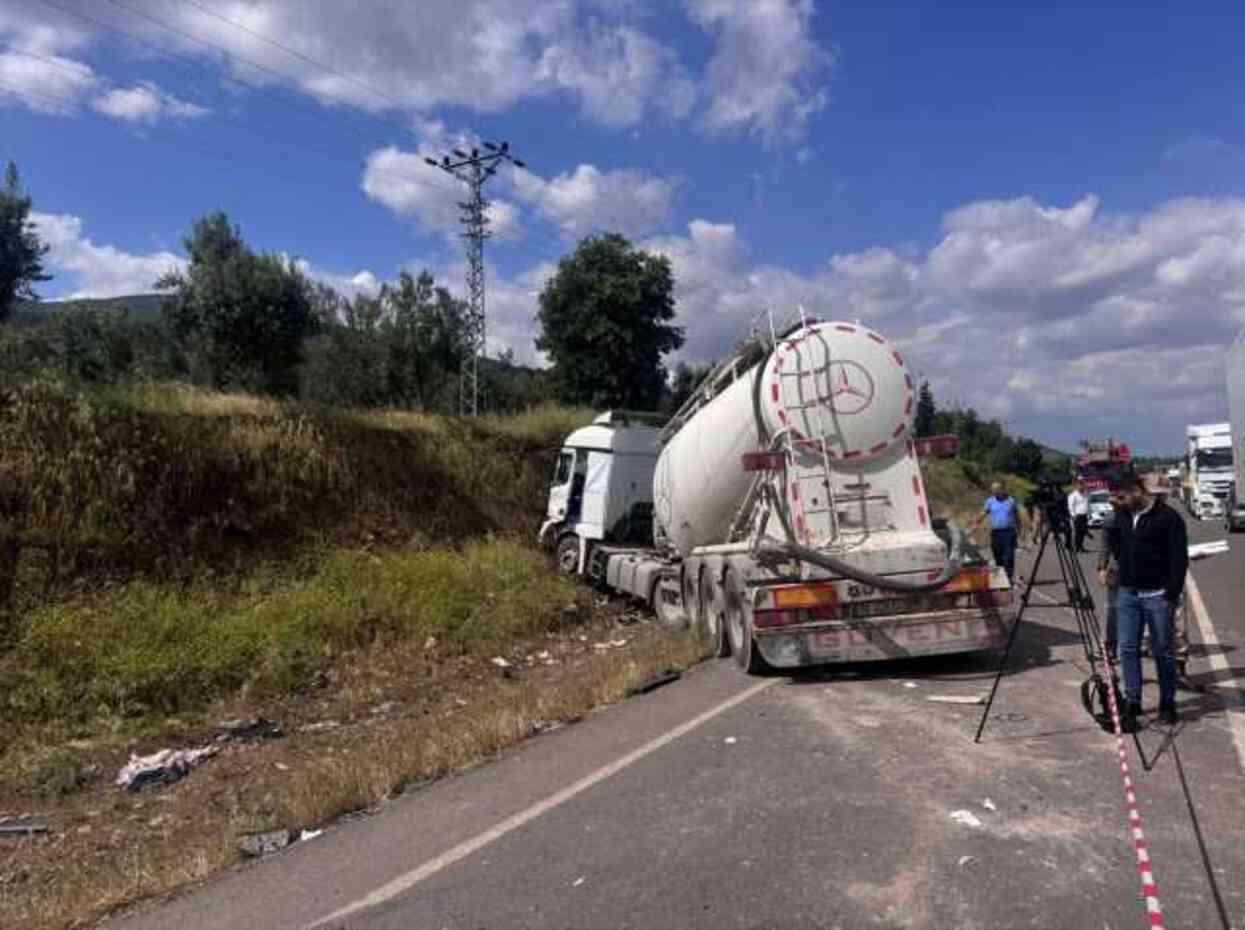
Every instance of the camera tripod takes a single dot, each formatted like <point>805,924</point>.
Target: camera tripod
<point>1099,702</point>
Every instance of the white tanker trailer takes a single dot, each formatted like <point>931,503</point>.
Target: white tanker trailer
<point>781,511</point>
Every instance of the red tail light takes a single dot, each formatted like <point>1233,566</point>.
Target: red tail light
<point>766,619</point>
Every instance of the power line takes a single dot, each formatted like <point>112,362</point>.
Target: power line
<point>191,37</point>
<point>327,155</point>
<point>193,62</point>
<point>474,170</point>
<point>296,54</point>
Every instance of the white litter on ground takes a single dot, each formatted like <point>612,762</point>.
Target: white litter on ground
<point>988,805</point>
<point>967,818</point>
<point>730,741</point>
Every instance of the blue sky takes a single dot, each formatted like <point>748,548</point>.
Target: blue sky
<point>1041,203</point>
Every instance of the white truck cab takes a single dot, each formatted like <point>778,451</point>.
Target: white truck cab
<point>602,487</point>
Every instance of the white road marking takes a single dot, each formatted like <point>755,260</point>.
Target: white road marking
<point>410,879</point>
<point>1201,616</point>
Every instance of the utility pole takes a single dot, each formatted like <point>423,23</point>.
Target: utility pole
<point>474,170</point>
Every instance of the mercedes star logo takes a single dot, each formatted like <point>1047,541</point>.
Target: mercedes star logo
<point>851,388</point>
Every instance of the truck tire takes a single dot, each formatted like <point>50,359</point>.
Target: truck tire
<point>739,628</point>
<point>566,555</point>
<point>668,603</point>
<point>709,619</point>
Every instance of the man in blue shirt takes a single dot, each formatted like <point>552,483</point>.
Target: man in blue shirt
<point>1004,518</point>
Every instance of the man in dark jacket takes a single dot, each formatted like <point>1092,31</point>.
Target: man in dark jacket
<point>1150,546</point>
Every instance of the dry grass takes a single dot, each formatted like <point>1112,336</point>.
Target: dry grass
<point>331,775</point>
<point>166,482</point>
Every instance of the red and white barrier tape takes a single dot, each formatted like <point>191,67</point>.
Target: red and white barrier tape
<point>1149,887</point>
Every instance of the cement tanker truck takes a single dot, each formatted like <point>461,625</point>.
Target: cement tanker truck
<point>781,511</point>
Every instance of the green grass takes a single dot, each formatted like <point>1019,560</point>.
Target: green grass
<point>149,647</point>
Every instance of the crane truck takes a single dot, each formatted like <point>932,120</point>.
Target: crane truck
<point>781,511</point>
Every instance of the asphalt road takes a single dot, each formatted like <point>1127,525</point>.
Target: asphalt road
<point>835,800</point>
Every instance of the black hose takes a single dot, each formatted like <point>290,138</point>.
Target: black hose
<point>793,550</point>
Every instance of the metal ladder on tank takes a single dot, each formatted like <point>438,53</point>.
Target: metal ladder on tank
<point>823,475</point>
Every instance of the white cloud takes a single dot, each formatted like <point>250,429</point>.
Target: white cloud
<point>97,270</point>
<point>392,55</point>
<point>767,74</point>
<point>589,199</point>
<point>407,185</point>
<point>34,73</point>
<point>47,84</point>
<point>617,73</point>
<point>1062,319</point>
<point>145,103</point>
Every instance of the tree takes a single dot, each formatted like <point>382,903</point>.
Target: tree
<point>21,249</point>
<point>1027,459</point>
<point>605,324</point>
<point>926,411</point>
<point>242,316</point>
<point>402,348</point>
<point>426,331</point>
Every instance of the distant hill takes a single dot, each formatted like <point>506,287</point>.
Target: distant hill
<point>140,308</point>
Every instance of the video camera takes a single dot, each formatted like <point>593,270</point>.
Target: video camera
<point>1049,497</point>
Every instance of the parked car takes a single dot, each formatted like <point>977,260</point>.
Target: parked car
<point>1099,507</point>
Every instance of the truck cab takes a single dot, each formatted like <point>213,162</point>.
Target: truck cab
<point>602,488</point>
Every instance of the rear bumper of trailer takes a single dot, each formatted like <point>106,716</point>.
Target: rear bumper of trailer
<point>878,640</point>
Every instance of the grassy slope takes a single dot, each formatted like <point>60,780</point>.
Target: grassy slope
<point>227,556</point>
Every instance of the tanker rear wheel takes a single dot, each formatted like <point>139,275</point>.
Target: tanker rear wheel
<point>739,628</point>
<point>709,618</point>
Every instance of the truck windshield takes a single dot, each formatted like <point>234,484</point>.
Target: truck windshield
<point>1214,458</point>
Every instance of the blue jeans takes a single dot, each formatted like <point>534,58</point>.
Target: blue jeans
<point>1133,614</point>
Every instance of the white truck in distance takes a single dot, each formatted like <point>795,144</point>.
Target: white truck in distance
<point>1234,510</point>
<point>1208,469</point>
<point>781,511</point>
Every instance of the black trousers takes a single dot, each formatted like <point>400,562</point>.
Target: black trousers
<point>1080,529</point>
<point>1003,546</point>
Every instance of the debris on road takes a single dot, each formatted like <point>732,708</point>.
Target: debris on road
<point>579,881</point>
<point>988,805</point>
<point>610,644</point>
<point>319,727</point>
<point>308,835</point>
<point>23,828</point>
<point>967,818</point>
<point>730,741</point>
<point>500,662</point>
<point>956,698</point>
<point>257,729</point>
<point>652,684</point>
<point>262,844</point>
<point>966,860</point>
<point>161,768</point>
<point>910,684</point>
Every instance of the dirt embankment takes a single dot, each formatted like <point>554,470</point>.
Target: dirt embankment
<point>185,564</point>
